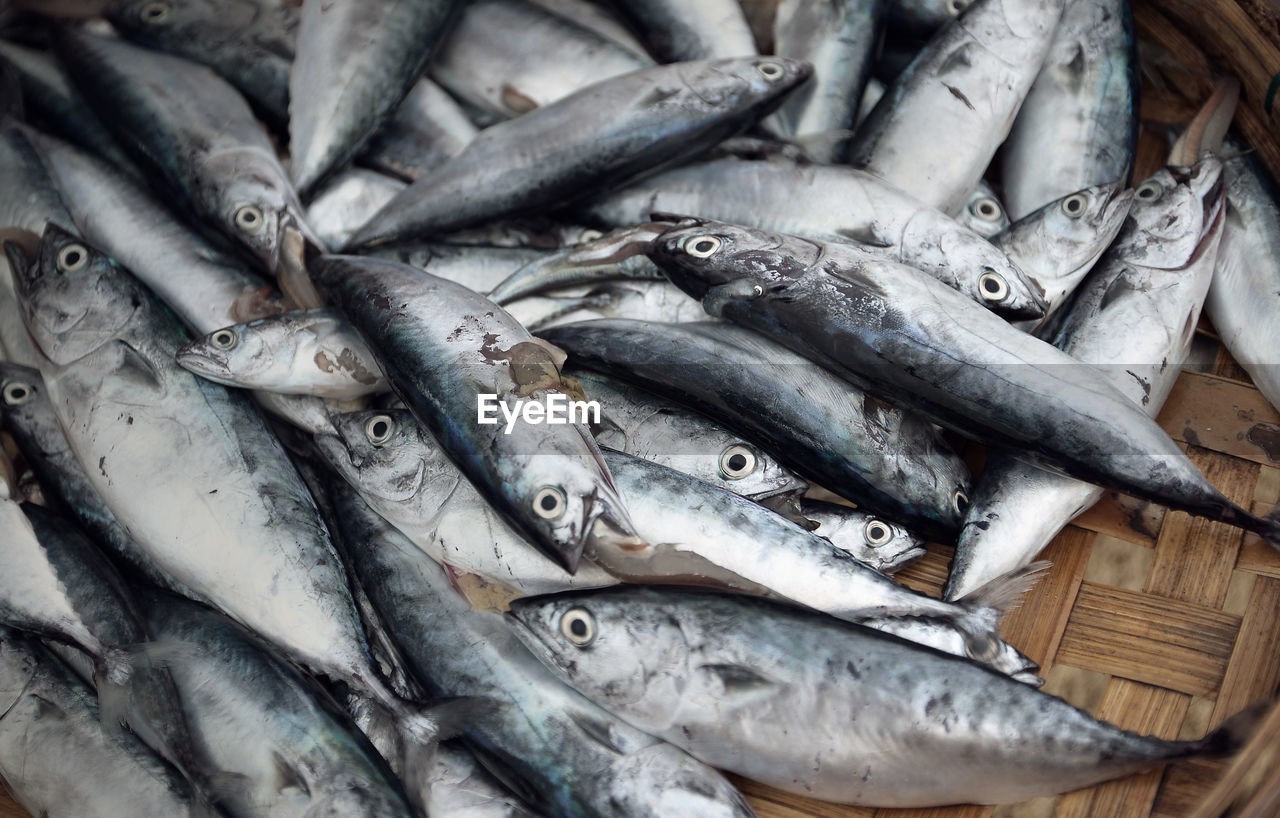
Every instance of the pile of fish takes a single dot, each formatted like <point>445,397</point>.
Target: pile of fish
<point>418,407</point>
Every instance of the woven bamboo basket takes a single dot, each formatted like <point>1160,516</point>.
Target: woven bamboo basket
<point>1154,620</point>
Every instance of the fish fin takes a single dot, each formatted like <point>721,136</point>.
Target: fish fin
<point>111,675</point>
<point>1230,736</point>
<point>515,101</point>
<point>1004,593</point>
<point>287,775</point>
<point>866,234</point>
<point>421,732</point>
<point>601,732</point>
<point>228,786</point>
<point>740,684</point>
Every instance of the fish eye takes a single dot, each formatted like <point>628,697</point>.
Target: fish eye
<point>987,209</point>
<point>702,246</point>
<point>960,501</point>
<point>957,6</point>
<point>877,532</point>
<point>992,286</point>
<point>1149,191</point>
<point>155,12</point>
<point>249,219</point>
<point>984,648</point>
<point>73,257</point>
<point>1074,206</point>
<point>17,393</point>
<point>549,503</point>
<point>223,339</point>
<point>757,291</point>
<point>578,626</point>
<point>379,429</point>
<point>771,71</point>
<point>737,461</point>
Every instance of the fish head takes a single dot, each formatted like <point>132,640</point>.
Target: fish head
<point>712,260</point>
<point>1068,235</point>
<point>983,213</point>
<point>20,387</point>
<point>664,779</point>
<point>238,355</point>
<point>74,299</point>
<point>257,205</point>
<point>573,506</point>
<point>382,452</point>
<point>1176,214</point>
<point>884,545</point>
<point>754,473</point>
<point>607,643</point>
<point>998,284</point>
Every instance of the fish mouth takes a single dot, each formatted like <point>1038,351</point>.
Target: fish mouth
<point>201,363</point>
<point>1116,203</point>
<point>606,533</point>
<point>904,559</point>
<point>289,263</point>
<point>1028,677</point>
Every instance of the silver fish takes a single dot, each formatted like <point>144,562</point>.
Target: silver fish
<point>598,19</point>
<point>58,758</point>
<point>1058,244</point>
<point>348,200</point>
<point>920,343</point>
<point>303,760</point>
<point>934,132</point>
<point>227,494</point>
<point>699,534</point>
<point>461,788</point>
<point>558,751</point>
<point>829,202</point>
<point>312,352</point>
<point>197,134</point>
<point>641,424</point>
<point>1242,301</point>
<point>619,254</point>
<point>1134,318</point>
<point>599,135</point>
<point>730,678</point>
<point>634,300</point>
<point>428,129</point>
<point>511,56</point>
<point>922,18</point>
<point>1079,124</point>
<point>442,347</point>
<point>355,62</point>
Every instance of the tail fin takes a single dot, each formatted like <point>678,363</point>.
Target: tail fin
<point>1005,593</point>
<point>1235,732</point>
<point>421,732</point>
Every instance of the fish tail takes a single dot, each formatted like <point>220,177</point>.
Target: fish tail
<point>1267,526</point>
<point>1005,593</point>
<point>1230,736</point>
<point>421,730</point>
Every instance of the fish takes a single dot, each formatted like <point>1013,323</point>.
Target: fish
<point>347,200</point>
<point>427,129</point>
<point>353,65</point>
<point>729,678</point>
<point>511,56</point>
<point>673,31</point>
<point>839,38</point>
<point>197,135</point>
<point>922,18</point>
<point>462,788</point>
<point>1079,124</point>
<point>598,136</point>
<point>404,475</point>
<point>1058,244</point>
<point>937,127</point>
<point>702,535</point>
<point>634,300</point>
<point>249,43</point>
<point>306,758</point>
<point>227,495</point>
<point>620,254</point>
<point>1243,294</point>
<point>442,347</point>
<point>917,342</point>
<point>831,203</point>
<point>884,459</point>
<point>641,424</point>
<point>1134,318</point>
<point>58,758</point>
<point>559,752</point>
<point>27,415</point>
<point>309,352</point>
<point>597,18</point>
